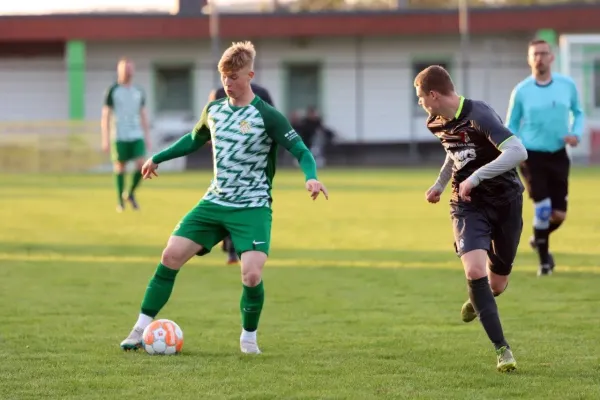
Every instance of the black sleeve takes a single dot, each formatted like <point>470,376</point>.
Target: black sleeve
<point>488,123</point>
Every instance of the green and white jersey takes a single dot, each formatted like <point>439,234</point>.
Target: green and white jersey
<point>126,102</point>
<point>244,145</point>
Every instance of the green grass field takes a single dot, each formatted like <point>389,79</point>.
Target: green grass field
<point>363,297</point>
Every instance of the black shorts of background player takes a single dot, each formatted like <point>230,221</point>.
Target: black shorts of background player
<point>227,246</point>
<point>487,196</point>
<point>546,178</point>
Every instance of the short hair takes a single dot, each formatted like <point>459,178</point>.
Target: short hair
<point>238,56</point>
<point>435,78</point>
<point>538,41</point>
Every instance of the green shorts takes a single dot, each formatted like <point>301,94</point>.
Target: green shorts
<point>124,151</point>
<point>208,224</point>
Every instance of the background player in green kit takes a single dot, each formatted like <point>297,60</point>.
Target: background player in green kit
<point>125,131</point>
<point>244,132</point>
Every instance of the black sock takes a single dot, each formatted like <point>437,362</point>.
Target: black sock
<point>554,226</point>
<point>485,306</point>
<point>541,242</point>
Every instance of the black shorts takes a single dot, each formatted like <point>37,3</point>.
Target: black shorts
<point>546,175</point>
<point>494,228</point>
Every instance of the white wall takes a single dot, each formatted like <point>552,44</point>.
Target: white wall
<point>374,100</point>
<point>33,89</point>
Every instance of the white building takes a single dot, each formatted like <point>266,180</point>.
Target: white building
<point>364,88</point>
<point>357,69</point>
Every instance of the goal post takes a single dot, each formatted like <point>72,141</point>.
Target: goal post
<point>579,58</point>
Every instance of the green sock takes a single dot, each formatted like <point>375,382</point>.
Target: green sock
<point>120,183</point>
<point>251,305</point>
<point>159,290</point>
<point>136,179</point>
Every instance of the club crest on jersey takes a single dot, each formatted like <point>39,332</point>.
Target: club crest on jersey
<point>245,127</point>
<point>464,137</point>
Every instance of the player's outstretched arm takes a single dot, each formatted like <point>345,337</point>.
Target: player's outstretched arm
<point>186,145</point>
<point>308,166</point>
<point>434,193</point>
<point>281,131</point>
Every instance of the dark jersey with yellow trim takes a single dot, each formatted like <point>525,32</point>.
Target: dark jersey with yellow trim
<point>472,139</point>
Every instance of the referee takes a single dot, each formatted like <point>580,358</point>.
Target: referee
<point>539,113</point>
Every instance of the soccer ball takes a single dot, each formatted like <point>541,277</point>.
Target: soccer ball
<point>163,337</point>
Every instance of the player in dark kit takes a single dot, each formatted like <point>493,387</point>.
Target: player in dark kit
<point>219,93</point>
<point>487,196</point>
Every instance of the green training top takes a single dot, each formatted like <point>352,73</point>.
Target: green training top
<point>126,103</point>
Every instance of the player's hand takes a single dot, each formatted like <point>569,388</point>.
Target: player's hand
<point>105,147</point>
<point>571,140</point>
<point>149,169</point>
<point>315,187</point>
<point>433,194</point>
<point>464,190</point>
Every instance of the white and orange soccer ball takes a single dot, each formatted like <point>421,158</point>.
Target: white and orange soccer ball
<point>162,337</point>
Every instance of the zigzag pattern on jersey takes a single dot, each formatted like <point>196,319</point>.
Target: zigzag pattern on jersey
<point>240,158</point>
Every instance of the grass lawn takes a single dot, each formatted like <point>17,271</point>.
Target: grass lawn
<point>363,296</point>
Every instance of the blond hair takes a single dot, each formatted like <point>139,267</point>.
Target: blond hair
<point>238,56</point>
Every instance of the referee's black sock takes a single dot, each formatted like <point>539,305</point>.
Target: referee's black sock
<point>554,226</point>
<point>541,242</point>
<point>483,301</point>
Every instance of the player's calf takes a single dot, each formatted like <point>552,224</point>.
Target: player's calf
<point>178,251</point>
<point>556,220</point>
<point>467,311</point>
<point>253,298</point>
<point>541,232</point>
<point>482,297</point>
<point>119,176</point>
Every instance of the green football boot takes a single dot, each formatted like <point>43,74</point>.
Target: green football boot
<point>467,312</point>
<point>506,360</point>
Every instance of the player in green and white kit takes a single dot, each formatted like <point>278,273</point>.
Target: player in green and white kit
<point>244,132</point>
<point>125,131</point>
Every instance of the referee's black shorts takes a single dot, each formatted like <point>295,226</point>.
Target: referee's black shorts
<point>546,175</point>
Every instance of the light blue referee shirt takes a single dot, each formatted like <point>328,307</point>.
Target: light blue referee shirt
<point>542,115</point>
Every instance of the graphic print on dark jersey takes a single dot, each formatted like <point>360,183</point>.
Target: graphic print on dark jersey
<point>472,139</point>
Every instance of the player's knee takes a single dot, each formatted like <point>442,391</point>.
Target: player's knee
<point>558,216</point>
<point>498,284</point>
<point>119,167</point>
<point>251,278</point>
<point>173,257</point>
<point>543,212</point>
<point>252,265</point>
<point>474,263</point>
